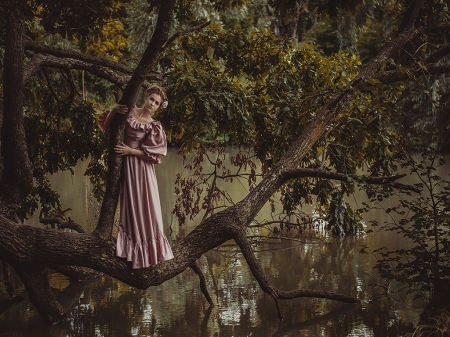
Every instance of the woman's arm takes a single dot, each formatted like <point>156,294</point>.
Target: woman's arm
<point>123,150</point>
<point>118,108</point>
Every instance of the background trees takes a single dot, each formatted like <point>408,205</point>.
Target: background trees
<point>317,108</point>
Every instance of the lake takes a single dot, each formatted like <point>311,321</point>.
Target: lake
<point>309,260</point>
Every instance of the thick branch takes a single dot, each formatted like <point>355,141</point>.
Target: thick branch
<point>36,282</point>
<point>39,61</point>
<point>256,199</point>
<point>71,54</point>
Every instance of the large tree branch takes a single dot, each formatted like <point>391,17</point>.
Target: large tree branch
<point>36,282</point>
<point>256,199</point>
<point>71,54</point>
<point>38,61</point>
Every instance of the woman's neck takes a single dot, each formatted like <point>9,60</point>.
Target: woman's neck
<point>142,114</point>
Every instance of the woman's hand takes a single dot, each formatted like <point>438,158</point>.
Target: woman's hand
<point>123,149</point>
<point>119,108</point>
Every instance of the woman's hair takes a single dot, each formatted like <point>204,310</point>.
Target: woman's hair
<point>156,90</point>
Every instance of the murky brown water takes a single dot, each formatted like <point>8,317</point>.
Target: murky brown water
<point>177,308</point>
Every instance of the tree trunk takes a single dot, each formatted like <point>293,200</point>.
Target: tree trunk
<point>17,180</point>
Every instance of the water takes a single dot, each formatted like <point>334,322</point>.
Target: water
<point>106,307</point>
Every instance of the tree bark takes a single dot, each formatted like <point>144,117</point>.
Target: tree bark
<point>17,179</point>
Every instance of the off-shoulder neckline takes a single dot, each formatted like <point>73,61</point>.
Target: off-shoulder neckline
<point>135,124</point>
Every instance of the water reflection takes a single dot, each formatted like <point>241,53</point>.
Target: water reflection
<point>106,307</point>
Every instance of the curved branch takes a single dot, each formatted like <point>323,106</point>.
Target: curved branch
<point>71,54</point>
<point>40,60</point>
<point>267,286</point>
<point>194,266</point>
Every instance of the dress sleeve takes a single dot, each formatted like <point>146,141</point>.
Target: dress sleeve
<point>155,145</point>
<point>101,120</point>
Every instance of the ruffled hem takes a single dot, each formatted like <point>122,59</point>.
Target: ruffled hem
<point>145,253</point>
<point>154,158</point>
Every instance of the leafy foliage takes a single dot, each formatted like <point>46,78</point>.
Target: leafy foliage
<point>423,222</point>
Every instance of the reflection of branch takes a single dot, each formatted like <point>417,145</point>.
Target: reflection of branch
<point>317,173</point>
<point>267,286</point>
<point>8,303</point>
<point>204,327</point>
<point>311,322</point>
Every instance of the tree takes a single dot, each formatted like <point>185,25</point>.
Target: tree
<point>29,250</point>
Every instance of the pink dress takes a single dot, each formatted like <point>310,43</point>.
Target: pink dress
<point>141,238</point>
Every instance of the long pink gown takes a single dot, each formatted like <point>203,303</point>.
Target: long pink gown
<point>141,238</point>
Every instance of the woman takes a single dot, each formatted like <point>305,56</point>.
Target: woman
<point>141,239</point>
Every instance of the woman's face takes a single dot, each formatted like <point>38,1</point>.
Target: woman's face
<point>153,102</point>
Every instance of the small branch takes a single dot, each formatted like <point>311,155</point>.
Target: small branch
<point>194,266</point>
<point>438,54</point>
<point>49,84</point>
<point>184,32</point>
<point>62,224</point>
<point>317,173</point>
